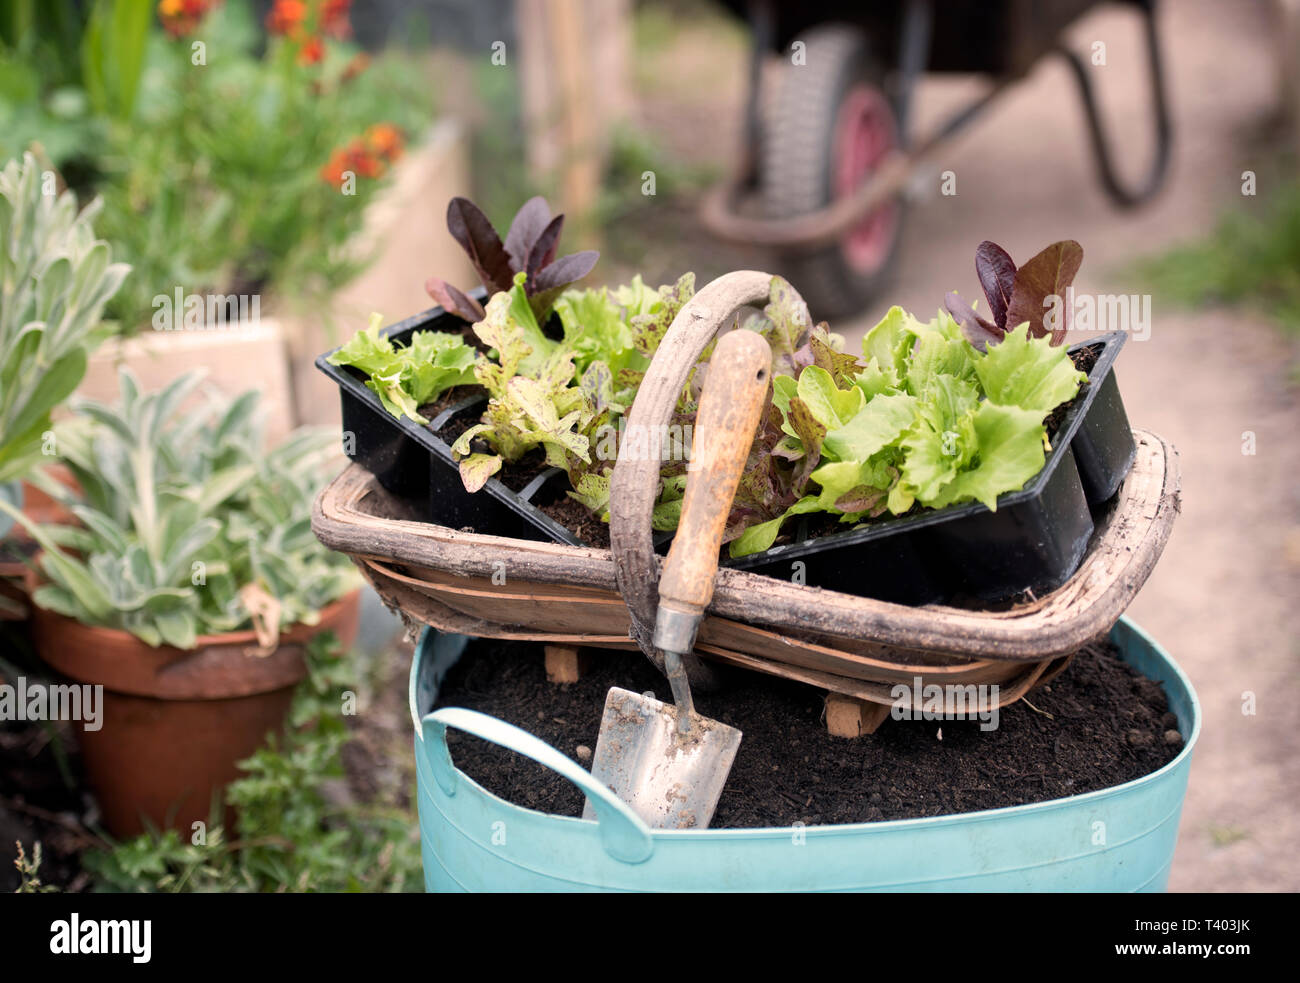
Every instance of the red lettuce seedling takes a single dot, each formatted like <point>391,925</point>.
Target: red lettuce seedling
<point>1018,296</point>
<point>529,248</point>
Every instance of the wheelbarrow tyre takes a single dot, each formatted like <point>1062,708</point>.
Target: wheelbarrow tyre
<point>798,164</point>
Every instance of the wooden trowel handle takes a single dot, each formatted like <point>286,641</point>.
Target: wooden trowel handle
<point>735,393</point>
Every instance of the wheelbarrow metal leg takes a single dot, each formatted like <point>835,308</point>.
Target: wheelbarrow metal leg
<point>1122,195</point>
<point>914,56</point>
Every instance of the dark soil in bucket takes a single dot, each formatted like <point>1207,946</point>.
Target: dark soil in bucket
<point>1096,725</point>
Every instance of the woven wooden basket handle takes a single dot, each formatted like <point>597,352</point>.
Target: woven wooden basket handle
<point>635,482</point>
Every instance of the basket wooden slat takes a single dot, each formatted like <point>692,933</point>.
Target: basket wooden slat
<point>607,618</point>
<point>1013,679</point>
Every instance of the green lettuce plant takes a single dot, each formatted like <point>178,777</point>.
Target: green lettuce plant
<point>933,414</point>
<point>180,515</point>
<point>924,419</point>
<point>55,278</point>
<point>566,397</point>
<point>407,378</point>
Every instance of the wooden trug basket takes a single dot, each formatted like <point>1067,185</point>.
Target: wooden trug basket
<point>494,587</point>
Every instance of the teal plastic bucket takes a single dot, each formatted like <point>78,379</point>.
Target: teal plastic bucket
<point>1115,839</point>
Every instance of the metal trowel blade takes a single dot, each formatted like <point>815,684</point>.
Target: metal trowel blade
<point>671,780</point>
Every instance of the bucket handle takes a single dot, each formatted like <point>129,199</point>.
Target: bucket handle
<point>625,836</point>
<point>635,480</point>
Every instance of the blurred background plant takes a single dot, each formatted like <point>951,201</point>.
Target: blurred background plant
<point>1248,259</point>
<point>182,515</point>
<point>221,152</point>
<point>55,280</point>
<point>67,70</point>
<point>299,828</point>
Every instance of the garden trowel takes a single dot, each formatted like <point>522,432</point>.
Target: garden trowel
<point>665,760</point>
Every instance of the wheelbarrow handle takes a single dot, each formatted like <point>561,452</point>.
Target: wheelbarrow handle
<point>624,835</point>
<point>1129,195</point>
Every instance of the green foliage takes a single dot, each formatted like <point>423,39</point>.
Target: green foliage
<point>57,119</point>
<point>55,280</point>
<point>626,197</point>
<point>565,397</point>
<point>217,176</point>
<point>220,188</point>
<point>112,55</point>
<point>928,420</point>
<point>1248,259</point>
<point>95,48</point>
<point>924,418</point>
<point>181,515</point>
<point>533,403</point>
<point>29,871</point>
<point>407,378</point>
<point>67,69</point>
<point>1018,372</point>
<point>292,834</point>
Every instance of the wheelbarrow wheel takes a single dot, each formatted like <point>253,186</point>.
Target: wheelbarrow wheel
<point>829,126</point>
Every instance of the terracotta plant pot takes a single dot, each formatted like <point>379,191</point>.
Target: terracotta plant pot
<point>175,722</point>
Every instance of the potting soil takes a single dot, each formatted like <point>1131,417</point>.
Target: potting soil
<point>1096,725</point>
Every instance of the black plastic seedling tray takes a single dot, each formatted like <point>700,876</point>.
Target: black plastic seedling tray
<point>1033,542</point>
<point>413,462</point>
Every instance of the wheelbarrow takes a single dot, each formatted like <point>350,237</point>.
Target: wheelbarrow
<point>827,157</point>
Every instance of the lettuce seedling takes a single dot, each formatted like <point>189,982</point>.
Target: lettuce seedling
<point>532,403</point>
<point>529,249</point>
<point>1018,296</point>
<point>407,378</point>
<point>929,420</point>
<point>598,327</point>
<point>566,397</point>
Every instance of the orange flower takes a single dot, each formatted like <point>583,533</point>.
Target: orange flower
<point>386,140</point>
<point>359,157</point>
<point>182,17</point>
<point>334,19</point>
<point>311,51</point>
<point>298,18</point>
<point>363,160</point>
<point>333,172</point>
<point>286,16</point>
